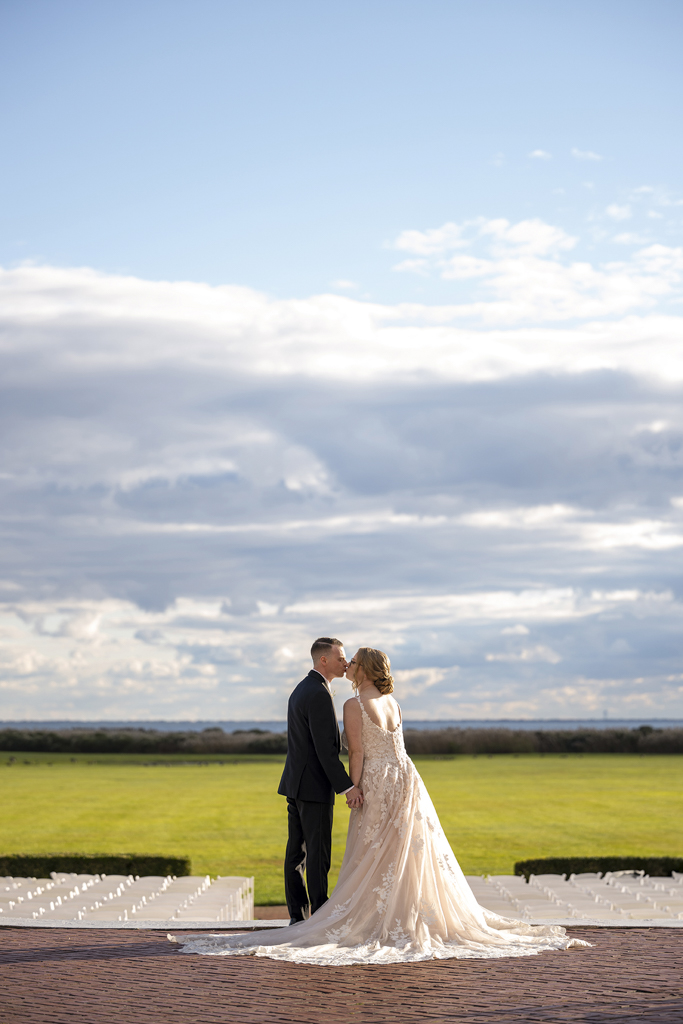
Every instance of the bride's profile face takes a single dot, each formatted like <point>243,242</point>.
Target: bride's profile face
<point>353,672</point>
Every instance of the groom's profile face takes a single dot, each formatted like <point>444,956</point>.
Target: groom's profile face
<point>336,662</point>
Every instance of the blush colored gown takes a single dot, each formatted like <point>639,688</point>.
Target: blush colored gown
<point>401,895</point>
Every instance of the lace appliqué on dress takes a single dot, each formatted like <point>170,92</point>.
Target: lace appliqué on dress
<point>398,936</point>
<point>416,845</point>
<point>340,910</point>
<point>337,934</point>
<point>427,912</point>
<point>385,888</point>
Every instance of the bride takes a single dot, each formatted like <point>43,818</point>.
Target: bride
<point>401,895</point>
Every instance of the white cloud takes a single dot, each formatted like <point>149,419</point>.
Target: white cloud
<point>541,605</point>
<point>537,653</point>
<point>184,460</point>
<point>528,517</point>
<point>617,212</point>
<point>585,154</point>
<point>540,154</point>
<point>412,682</point>
<point>195,659</point>
<point>83,626</point>
<point>567,529</point>
<point>435,240</point>
<point>570,527</point>
<point>648,534</point>
<point>655,198</point>
<point>236,331</point>
<point>343,285</point>
<point>630,238</point>
<point>528,236</point>
<point>533,237</point>
<point>524,269</point>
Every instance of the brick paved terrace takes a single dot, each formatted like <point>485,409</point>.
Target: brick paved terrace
<point>115,977</point>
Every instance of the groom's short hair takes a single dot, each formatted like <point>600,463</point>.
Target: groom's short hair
<point>324,644</point>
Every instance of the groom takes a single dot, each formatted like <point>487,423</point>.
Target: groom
<point>313,774</point>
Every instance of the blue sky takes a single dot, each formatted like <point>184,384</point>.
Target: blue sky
<point>358,318</point>
<point>283,145</point>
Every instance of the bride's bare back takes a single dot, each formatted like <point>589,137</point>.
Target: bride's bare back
<point>381,709</point>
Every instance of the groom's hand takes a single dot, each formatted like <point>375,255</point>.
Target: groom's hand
<point>354,797</point>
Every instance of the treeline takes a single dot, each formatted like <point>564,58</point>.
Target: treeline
<point>642,740</point>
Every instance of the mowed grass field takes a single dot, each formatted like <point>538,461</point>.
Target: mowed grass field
<point>229,819</point>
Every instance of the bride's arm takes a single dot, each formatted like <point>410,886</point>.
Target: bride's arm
<point>353,727</point>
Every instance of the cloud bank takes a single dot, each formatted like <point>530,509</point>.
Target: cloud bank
<point>199,480</point>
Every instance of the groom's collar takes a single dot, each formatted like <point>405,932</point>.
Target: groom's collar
<point>327,685</point>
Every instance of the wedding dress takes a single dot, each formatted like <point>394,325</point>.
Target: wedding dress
<point>401,895</point>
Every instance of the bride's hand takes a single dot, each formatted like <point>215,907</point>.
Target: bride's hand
<point>354,797</point>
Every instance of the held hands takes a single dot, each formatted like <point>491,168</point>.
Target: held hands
<point>354,798</point>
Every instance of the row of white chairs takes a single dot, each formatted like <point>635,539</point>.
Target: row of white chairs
<point>615,896</point>
<point>74,897</point>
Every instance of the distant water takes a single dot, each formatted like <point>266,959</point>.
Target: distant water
<point>411,723</point>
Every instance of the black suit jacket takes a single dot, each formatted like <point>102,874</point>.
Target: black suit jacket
<point>313,770</point>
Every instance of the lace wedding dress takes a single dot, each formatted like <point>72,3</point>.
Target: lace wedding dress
<point>401,895</point>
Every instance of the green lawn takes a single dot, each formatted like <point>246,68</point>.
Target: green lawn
<point>229,820</point>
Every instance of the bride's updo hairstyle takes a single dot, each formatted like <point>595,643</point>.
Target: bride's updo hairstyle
<point>377,668</point>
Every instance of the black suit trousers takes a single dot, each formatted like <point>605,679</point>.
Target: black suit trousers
<point>309,848</point>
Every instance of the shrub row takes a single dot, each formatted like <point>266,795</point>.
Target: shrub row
<point>141,741</point>
<point>643,740</point>
<point>659,867</point>
<point>40,866</point>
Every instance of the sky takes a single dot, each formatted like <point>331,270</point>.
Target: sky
<point>360,320</point>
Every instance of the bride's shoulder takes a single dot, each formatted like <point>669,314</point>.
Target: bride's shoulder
<point>388,700</point>
<point>352,705</point>
<point>396,706</point>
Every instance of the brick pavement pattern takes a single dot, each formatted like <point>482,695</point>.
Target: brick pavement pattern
<point>69,977</point>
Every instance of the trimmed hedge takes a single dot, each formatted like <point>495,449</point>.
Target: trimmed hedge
<point>41,865</point>
<point>659,867</point>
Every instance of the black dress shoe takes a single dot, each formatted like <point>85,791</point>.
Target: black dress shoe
<point>303,915</point>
